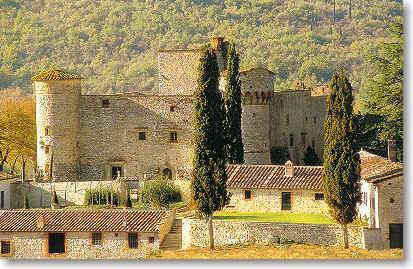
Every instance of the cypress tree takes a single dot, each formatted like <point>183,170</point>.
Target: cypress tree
<point>208,184</point>
<point>234,147</point>
<point>341,161</point>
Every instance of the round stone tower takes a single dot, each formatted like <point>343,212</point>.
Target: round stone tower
<point>58,124</point>
<point>257,88</point>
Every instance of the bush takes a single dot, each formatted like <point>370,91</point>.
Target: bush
<point>279,155</point>
<point>101,196</point>
<point>159,193</point>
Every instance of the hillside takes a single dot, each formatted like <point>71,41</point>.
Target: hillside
<point>113,44</point>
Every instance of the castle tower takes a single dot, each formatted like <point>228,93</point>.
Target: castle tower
<point>257,86</point>
<point>57,96</point>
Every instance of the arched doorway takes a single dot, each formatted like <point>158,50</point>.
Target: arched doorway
<point>167,173</point>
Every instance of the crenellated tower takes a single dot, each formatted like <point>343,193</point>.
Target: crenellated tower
<point>257,89</point>
<point>57,96</point>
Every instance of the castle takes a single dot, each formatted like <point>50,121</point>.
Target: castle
<point>99,137</point>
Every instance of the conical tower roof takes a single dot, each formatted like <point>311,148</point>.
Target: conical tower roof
<point>55,74</point>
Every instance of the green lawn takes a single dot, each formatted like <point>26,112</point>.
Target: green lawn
<point>273,217</point>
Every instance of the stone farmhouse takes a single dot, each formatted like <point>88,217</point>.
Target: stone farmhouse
<point>82,233</point>
<point>99,137</point>
<point>276,188</point>
<point>382,196</point>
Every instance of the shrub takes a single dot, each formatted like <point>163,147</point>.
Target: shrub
<point>279,155</point>
<point>101,196</point>
<point>159,193</point>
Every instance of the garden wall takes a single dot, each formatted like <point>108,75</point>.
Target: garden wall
<point>195,234</point>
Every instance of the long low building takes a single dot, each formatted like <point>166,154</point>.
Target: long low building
<point>275,188</point>
<point>82,233</point>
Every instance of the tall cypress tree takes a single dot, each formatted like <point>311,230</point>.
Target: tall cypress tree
<point>234,147</point>
<point>209,177</point>
<point>341,162</point>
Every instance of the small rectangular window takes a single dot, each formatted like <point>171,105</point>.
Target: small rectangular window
<point>151,239</point>
<point>291,140</point>
<point>133,240</point>
<point>247,194</point>
<point>1,199</point>
<point>315,120</point>
<point>172,108</point>
<point>287,120</point>
<point>142,135</point>
<point>5,247</point>
<point>46,150</point>
<point>46,131</point>
<point>286,201</point>
<point>96,239</point>
<point>173,136</point>
<point>105,103</point>
<point>319,196</point>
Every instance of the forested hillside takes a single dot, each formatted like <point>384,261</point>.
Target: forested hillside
<point>113,44</point>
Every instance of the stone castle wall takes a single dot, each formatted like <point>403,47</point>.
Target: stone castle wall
<point>269,200</point>
<point>195,234</point>
<point>57,112</point>
<point>301,115</point>
<point>110,136</point>
<point>178,71</point>
<point>30,245</point>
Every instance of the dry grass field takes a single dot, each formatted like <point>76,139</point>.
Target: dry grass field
<point>288,251</point>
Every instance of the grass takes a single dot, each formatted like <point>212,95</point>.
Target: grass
<point>284,217</point>
<point>288,251</point>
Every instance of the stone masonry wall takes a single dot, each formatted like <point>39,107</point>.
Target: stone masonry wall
<point>57,109</point>
<point>299,114</point>
<point>269,200</point>
<point>68,193</point>
<point>178,71</point>
<point>110,136</point>
<point>390,206</point>
<point>28,245</point>
<point>195,233</point>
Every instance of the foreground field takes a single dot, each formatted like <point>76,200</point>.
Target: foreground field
<point>293,251</point>
<point>273,217</point>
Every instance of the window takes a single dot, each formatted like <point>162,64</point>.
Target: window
<point>315,120</point>
<point>319,196</point>
<point>303,138</point>
<point>173,136</point>
<point>151,239</point>
<point>286,201</point>
<point>56,243</point>
<point>46,131</point>
<point>133,240</point>
<point>247,194</point>
<point>97,239</point>
<point>105,103</point>
<point>142,135</point>
<point>46,149</point>
<point>291,140</point>
<point>117,171</point>
<point>287,120</point>
<point>1,199</point>
<point>306,118</point>
<point>172,108</point>
<point>5,247</point>
<point>167,173</point>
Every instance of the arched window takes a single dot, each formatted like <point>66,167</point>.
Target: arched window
<point>167,173</point>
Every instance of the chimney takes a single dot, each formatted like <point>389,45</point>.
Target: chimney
<point>216,42</point>
<point>391,150</point>
<point>40,222</point>
<point>289,169</point>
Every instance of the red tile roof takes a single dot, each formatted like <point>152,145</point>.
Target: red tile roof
<point>81,220</point>
<point>374,167</point>
<point>54,74</point>
<point>273,177</point>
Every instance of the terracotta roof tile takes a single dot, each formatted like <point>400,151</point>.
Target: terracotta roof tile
<point>375,167</point>
<point>273,177</point>
<point>54,74</point>
<point>81,220</point>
